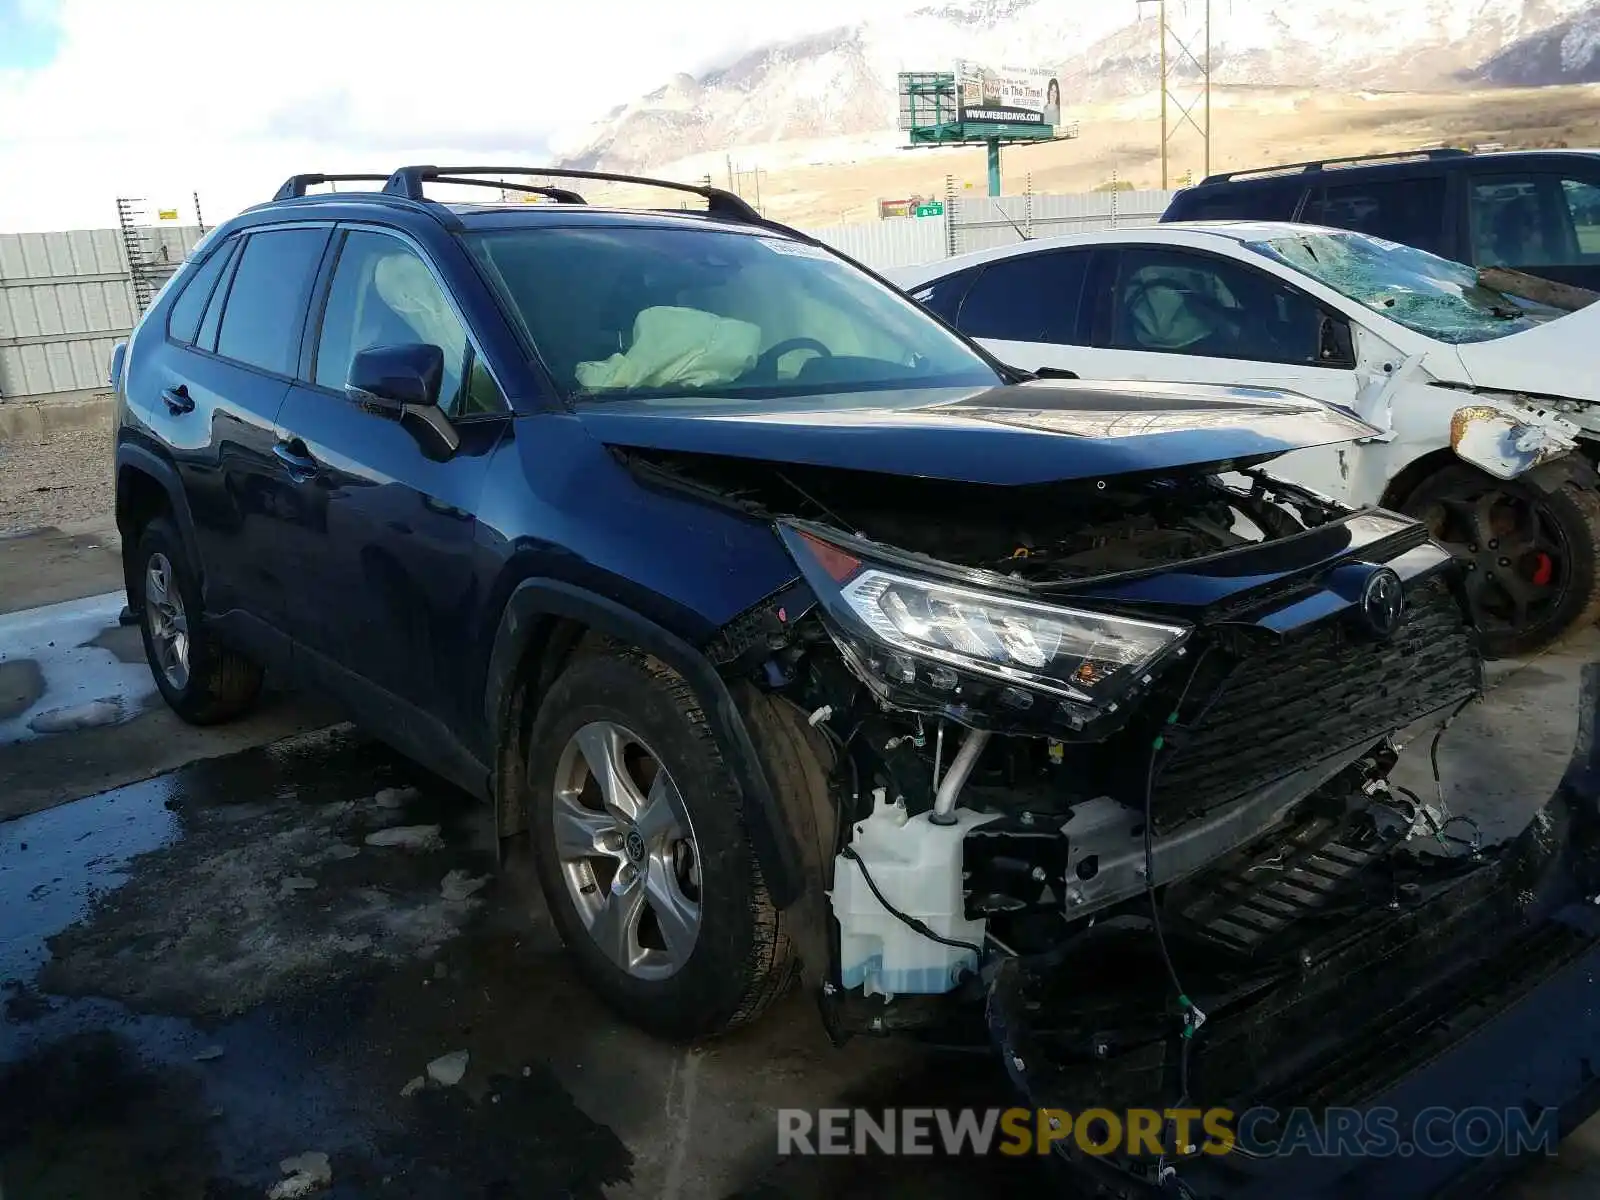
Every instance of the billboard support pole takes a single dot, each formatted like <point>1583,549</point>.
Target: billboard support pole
<point>993,146</point>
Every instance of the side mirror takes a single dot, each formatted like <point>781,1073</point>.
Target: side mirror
<point>1336,344</point>
<point>403,381</point>
<point>389,378</point>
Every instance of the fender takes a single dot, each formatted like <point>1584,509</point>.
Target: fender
<point>771,836</point>
<point>148,462</point>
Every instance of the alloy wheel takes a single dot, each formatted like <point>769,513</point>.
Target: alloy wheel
<point>627,850</point>
<point>1513,554</point>
<point>169,623</point>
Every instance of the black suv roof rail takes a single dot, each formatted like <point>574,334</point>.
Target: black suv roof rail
<point>1292,168</point>
<point>407,182</point>
<point>295,186</point>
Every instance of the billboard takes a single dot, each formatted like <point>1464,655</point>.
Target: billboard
<point>1006,96</point>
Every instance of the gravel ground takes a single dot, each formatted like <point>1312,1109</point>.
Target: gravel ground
<point>64,481</point>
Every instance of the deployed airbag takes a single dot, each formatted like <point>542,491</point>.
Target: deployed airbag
<point>677,347</point>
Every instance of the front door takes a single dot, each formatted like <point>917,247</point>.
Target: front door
<point>388,590</point>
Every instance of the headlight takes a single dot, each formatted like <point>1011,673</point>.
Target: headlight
<point>921,642</point>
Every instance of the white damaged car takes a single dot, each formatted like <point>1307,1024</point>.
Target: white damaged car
<point>1489,402</point>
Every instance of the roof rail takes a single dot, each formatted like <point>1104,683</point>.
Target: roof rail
<point>295,186</point>
<point>408,181</point>
<point>1306,167</point>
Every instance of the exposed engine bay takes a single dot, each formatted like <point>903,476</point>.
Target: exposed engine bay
<point>1022,745</point>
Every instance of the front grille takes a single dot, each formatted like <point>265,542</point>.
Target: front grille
<point>1330,690</point>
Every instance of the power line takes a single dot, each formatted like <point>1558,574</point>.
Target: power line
<point>1183,53</point>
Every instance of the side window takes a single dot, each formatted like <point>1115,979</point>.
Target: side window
<point>943,296</point>
<point>1265,201</point>
<point>183,318</point>
<point>1177,302</point>
<point>1534,220</point>
<point>384,295</point>
<point>1030,298</point>
<point>267,301</point>
<point>207,337</point>
<point>1408,210</point>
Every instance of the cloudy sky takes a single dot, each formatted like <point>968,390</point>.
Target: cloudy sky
<point>107,98</point>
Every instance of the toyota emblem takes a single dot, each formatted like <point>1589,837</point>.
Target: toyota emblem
<point>1383,602</point>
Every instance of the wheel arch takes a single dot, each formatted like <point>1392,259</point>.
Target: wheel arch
<point>1569,468</point>
<point>543,623</point>
<point>147,486</point>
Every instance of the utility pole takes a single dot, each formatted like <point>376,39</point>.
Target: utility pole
<point>1179,54</point>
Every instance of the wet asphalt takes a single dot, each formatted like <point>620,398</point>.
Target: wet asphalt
<point>209,970</point>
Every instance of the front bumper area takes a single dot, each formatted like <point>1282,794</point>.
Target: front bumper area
<point>1471,990</point>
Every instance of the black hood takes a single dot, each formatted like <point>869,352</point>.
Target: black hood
<point>1030,433</point>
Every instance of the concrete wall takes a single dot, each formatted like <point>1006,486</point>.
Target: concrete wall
<point>983,222</point>
<point>65,300</point>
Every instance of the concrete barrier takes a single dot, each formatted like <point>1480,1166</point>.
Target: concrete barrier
<point>34,421</point>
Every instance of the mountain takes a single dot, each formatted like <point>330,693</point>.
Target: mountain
<point>842,81</point>
<point>1567,52</point>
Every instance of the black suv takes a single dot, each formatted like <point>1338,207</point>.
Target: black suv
<point>1532,210</point>
<point>797,635</point>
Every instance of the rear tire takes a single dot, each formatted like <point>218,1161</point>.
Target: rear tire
<point>1530,548</point>
<point>201,680</point>
<point>651,880</point>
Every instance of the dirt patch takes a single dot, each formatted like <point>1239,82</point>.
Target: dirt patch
<point>258,900</point>
<point>65,479</point>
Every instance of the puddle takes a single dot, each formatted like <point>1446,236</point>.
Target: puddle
<point>54,864</point>
<point>83,672</point>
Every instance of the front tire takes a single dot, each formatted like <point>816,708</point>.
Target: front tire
<point>642,855</point>
<point>1530,549</point>
<point>201,680</point>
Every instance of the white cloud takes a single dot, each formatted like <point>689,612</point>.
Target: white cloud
<point>227,97</point>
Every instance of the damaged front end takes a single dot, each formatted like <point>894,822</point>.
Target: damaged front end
<point>1111,759</point>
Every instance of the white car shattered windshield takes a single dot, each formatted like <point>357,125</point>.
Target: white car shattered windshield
<point>1421,291</point>
<point>639,312</point>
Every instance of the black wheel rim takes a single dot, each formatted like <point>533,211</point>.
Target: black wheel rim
<point>1514,557</point>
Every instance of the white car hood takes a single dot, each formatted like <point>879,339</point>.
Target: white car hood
<point>1556,359</point>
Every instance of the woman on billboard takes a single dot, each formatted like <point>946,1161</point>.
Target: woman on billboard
<point>1052,103</point>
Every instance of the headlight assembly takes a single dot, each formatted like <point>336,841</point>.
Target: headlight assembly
<point>921,642</point>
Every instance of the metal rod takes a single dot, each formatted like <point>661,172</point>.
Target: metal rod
<point>944,800</point>
<point>938,754</point>
<point>1208,89</point>
<point>1165,88</point>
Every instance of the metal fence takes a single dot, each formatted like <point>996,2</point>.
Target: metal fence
<point>66,299</point>
<point>982,222</point>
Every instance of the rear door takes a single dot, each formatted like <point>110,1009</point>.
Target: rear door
<point>1543,219</point>
<point>233,335</point>
<point>389,598</point>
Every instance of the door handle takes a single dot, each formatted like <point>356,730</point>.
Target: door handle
<point>177,400</point>
<point>301,466</point>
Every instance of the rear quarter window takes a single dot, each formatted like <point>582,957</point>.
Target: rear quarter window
<point>1268,200</point>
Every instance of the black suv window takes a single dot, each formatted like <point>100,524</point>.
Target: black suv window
<point>267,300</point>
<point>384,295</point>
<point>1030,298</point>
<point>1269,201</point>
<point>183,320</point>
<point>1185,303</point>
<point>943,296</point>
<point>1534,220</point>
<point>1409,210</point>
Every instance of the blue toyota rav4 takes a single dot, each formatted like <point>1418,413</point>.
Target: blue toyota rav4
<point>800,639</point>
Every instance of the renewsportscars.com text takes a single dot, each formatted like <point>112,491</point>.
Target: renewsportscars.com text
<point>1258,1132</point>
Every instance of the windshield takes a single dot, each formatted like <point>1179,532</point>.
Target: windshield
<point>641,311</point>
<point>1421,291</point>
